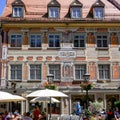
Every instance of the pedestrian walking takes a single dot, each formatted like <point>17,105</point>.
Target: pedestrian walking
<point>110,115</point>
<point>117,114</point>
<point>78,108</point>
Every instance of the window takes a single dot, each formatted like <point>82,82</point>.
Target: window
<point>79,41</point>
<point>53,12</point>
<point>35,72</point>
<point>104,72</point>
<point>16,72</point>
<point>54,40</point>
<point>16,40</point>
<point>75,9</point>
<point>102,41</point>
<point>56,71</point>
<point>17,12</point>
<point>80,70</point>
<point>98,12</point>
<point>35,40</point>
<point>76,12</point>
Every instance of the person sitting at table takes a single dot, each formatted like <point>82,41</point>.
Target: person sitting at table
<point>42,116</point>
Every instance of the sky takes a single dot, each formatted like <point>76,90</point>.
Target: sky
<point>2,4</point>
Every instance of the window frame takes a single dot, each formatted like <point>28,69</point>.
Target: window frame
<point>82,70</point>
<point>19,11</point>
<point>54,12</point>
<point>79,40</point>
<point>98,11</point>
<point>101,44</point>
<point>35,40</point>
<point>16,40</point>
<point>57,68</point>
<point>16,70</point>
<point>54,40</point>
<point>35,69</point>
<point>105,71</point>
<point>76,12</point>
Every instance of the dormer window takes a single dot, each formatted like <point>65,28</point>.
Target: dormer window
<point>98,9</point>
<point>18,8</point>
<point>53,12</point>
<point>76,9</point>
<point>17,12</point>
<point>76,12</point>
<point>54,9</point>
<point>98,12</point>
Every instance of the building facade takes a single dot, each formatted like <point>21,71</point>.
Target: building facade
<point>66,39</point>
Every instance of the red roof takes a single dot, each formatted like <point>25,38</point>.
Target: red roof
<point>36,9</point>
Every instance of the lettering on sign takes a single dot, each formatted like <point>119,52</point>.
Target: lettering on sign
<point>70,54</point>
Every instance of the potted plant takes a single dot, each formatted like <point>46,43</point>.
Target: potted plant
<point>86,85</point>
<point>50,86</point>
<point>87,113</point>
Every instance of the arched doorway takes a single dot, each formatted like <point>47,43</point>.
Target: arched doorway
<point>82,100</point>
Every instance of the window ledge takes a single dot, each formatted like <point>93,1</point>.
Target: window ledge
<point>76,18</point>
<point>35,48</point>
<point>103,81</point>
<point>80,48</point>
<point>33,80</point>
<point>56,80</point>
<point>53,48</point>
<point>17,17</point>
<point>102,48</point>
<point>79,80</point>
<point>50,17</point>
<point>15,80</point>
<point>14,48</point>
<point>102,18</point>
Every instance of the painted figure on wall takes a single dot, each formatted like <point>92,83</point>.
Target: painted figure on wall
<point>25,42</point>
<point>91,38</point>
<point>114,39</point>
<point>67,70</point>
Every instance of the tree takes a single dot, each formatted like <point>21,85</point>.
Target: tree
<point>117,104</point>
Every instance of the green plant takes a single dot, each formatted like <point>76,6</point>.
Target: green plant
<point>86,85</point>
<point>117,104</point>
<point>87,113</point>
<point>53,87</point>
<point>50,86</point>
<point>96,106</point>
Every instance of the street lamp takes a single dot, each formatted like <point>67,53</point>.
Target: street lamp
<point>86,80</point>
<point>50,78</point>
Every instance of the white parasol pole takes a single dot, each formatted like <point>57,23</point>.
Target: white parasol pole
<point>50,109</point>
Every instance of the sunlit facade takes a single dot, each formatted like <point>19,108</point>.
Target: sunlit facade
<point>66,39</point>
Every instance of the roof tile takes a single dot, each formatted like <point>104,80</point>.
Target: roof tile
<point>37,9</point>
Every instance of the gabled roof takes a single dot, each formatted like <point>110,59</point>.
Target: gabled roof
<point>54,3</point>
<point>37,9</point>
<point>17,3</point>
<point>98,3</point>
<point>76,3</point>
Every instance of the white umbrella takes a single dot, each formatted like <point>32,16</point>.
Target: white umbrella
<point>17,98</point>
<point>47,93</point>
<point>45,99</point>
<point>4,96</point>
<point>7,97</point>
